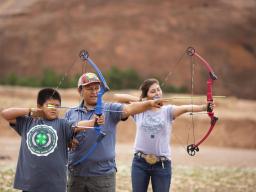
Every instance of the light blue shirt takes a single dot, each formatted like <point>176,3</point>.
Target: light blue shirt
<point>102,160</point>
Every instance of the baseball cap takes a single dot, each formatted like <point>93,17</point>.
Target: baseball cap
<point>87,78</point>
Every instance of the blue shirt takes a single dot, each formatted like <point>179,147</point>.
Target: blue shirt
<point>102,160</point>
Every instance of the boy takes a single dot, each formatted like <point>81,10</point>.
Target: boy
<point>43,156</point>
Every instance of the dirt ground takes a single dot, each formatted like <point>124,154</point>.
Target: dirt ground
<point>208,156</point>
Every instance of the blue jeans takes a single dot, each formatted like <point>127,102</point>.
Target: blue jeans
<point>160,175</point>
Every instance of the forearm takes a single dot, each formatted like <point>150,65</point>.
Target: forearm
<point>137,107</point>
<point>86,123</point>
<point>83,125</point>
<point>12,113</point>
<point>196,108</point>
<point>179,110</point>
<point>125,98</point>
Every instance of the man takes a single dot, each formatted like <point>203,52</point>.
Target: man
<point>98,170</point>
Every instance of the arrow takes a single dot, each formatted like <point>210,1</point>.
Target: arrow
<point>50,106</point>
<point>193,97</point>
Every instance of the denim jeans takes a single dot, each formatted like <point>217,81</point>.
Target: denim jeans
<point>160,174</point>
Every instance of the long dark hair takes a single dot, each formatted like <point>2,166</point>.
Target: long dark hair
<point>144,87</point>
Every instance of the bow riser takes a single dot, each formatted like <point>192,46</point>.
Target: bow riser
<point>209,93</point>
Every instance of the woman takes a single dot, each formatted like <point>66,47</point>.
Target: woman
<point>152,159</point>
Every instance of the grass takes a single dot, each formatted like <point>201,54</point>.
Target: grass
<point>214,179</point>
<point>185,179</point>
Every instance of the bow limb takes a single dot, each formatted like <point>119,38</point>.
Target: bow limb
<point>84,55</point>
<point>103,87</point>
<point>193,148</point>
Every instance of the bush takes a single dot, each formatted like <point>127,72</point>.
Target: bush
<point>117,79</point>
<point>126,79</point>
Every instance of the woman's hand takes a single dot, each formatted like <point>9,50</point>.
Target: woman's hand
<point>209,106</point>
<point>158,102</point>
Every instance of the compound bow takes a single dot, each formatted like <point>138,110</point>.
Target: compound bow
<point>99,106</point>
<point>193,148</point>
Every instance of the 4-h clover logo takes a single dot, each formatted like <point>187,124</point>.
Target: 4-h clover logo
<point>42,140</point>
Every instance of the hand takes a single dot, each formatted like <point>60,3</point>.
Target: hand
<point>210,105</point>
<point>100,120</point>
<point>36,112</point>
<point>73,144</point>
<point>157,103</point>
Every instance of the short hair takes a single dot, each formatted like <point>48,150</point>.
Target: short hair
<point>46,94</point>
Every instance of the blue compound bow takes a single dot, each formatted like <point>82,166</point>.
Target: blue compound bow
<point>99,106</point>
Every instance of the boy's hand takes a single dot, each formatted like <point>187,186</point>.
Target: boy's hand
<point>36,112</point>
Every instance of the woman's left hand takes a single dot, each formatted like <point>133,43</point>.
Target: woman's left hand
<point>210,105</point>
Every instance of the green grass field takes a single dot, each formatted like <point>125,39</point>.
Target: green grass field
<point>184,179</point>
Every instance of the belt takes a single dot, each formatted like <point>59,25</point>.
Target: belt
<point>150,158</point>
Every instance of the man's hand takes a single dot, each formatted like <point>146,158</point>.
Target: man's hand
<point>100,120</point>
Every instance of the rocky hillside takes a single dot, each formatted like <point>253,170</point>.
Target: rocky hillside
<point>147,35</point>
